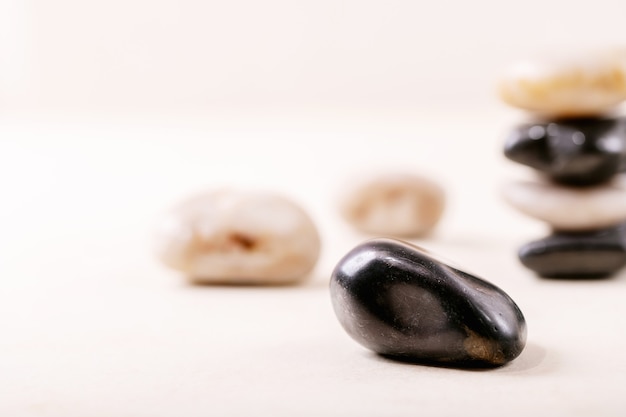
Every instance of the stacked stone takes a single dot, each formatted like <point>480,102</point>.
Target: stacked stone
<point>578,146</point>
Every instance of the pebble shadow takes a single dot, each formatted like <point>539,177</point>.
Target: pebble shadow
<point>532,360</point>
<point>313,282</point>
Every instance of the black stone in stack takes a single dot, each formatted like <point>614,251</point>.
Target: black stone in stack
<point>580,152</point>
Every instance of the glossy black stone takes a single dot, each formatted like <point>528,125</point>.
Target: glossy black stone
<point>596,254</point>
<point>578,152</point>
<point>403,302</point>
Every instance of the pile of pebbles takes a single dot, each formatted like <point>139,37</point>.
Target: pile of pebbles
<point>577,145</point>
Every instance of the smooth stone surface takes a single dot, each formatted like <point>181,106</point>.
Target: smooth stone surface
<point>594,254</point>
<point>565,84</point>
<point>239,237</point>
<point>395,204</point>
<point>403,302</point>
<point>568,208</point>
<point>573,151</point>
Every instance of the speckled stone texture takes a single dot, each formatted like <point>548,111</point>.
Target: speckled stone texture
<point>236,236</point>
<point>396,204</point>
<point>573,83</point>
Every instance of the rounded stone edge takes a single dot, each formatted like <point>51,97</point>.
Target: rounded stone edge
<point>263,280</point>
<point>482,356</point>
<point>349,205</point>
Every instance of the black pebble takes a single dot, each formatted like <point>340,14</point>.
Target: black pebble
<point>578,152</point>
<point>572,255</point>
<point>402,302</point>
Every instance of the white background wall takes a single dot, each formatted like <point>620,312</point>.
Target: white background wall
<point>172,54</point>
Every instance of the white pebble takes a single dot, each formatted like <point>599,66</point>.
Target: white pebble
<point>567,208</point>
<point>396,204</point>
<point>567,84</point>
<point>239,237</point>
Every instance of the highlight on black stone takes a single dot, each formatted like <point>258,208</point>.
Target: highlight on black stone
<point>576,152</point>
<point>405,303</point>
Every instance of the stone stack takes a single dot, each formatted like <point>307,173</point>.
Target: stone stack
<point>577,145</point>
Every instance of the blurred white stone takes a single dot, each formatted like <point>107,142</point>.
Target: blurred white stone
<point>239,237</point>
<point>569,208</point>
<point>396,204</point>
<point>567,84</point>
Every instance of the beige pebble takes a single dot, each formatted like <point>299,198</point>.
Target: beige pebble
<point>239,237</point>
<point>566,208</point>
<point>396,204</point>
<point>565,84</point>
